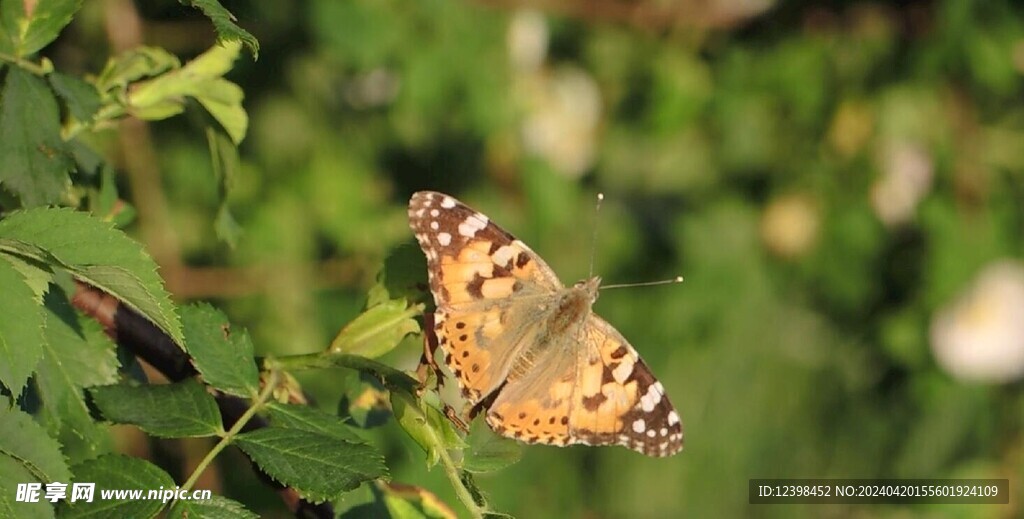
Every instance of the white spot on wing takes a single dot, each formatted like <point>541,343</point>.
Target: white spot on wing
<point>448,202</point>
<point>673,417</point>
<point>503,255</point>
<point>444,239</point>
<point>472,224</point>
<point>622,371</point>
<point>639,425</point>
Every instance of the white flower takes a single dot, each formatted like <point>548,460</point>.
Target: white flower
<point>527,40</point>
<point>563,112</point>
<point>907,172</point>
<point>980,336</point>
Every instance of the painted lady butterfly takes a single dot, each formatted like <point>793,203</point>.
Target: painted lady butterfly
<point>527,349</point>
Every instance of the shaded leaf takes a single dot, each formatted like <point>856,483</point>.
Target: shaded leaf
<point>93,251</point>
<point>224,23</point>
<point>21,329</point>
<point>81,98</point>
<point>27,443</point>
<point>306,418</point>
<point>117,472</point>
<point>223,356</point>
<point>71,361</point>
<point>36,161</point>
<point>182,409</point>
<point>218,507</point>
<point>26,27</point>
<point>488,452</point>
<point>317,465</point>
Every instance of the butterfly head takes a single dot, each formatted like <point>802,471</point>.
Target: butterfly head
<point>589,286</point>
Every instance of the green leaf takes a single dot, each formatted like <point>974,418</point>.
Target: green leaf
<point>427,426</point>
<point>118,472</point>
<point>224,23</point>
<point>201,79</point>
<point>25,441</point>
<point>93,251</point>
<point>306,418</point>
<point>378,330</point>
<point>223,356</point>
<point>317,465</point>
<point>412,502</point>
<point>21,329</point>
<point>81,98</point>
<point>35,161</point>
<point>226,164</point>
<point>135,64</point>
<point>216,508</point>
<point>182,409</point>
<point>13,472</point>
<point>37,275</point>
<point>71,361</point>
<point>26,27</point>
<point>488,452</point>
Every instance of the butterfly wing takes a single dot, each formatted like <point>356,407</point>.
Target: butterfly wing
<point>482,280</point>
<point>602,395</point>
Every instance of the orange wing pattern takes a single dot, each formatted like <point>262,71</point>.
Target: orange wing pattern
<point>527,348</point>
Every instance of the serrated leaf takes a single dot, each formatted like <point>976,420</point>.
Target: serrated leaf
<point>201,79</point>
<point>117,472</point>
<point>36,162</point>
<point>412,502</point>
<point>21,329</point>
<point>223,356</point>
<point>378,330</point>
<point>27,443</point>
<point>37,275</point>
<point>26,27</point>
<point>69,362</point>
<point>488,452</point>
<point>182,409</point>
<point>317,465</point>
<point>81,98</point>
<point>312,420</point>
<point>93,251</point>
<point>224,23</point>
<point>216,508</point>
<point>11,474</point>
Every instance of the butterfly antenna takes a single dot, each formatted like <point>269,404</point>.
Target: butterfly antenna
<point>593,240</point>
<point>677,279</point>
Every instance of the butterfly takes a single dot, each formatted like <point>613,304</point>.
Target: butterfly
<point>527,349</point>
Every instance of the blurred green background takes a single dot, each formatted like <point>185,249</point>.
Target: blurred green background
<point>841,185</point>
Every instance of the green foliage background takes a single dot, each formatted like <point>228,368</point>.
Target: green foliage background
<point>811,361</point>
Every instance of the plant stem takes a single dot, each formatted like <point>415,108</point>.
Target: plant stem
<point>265,394</point>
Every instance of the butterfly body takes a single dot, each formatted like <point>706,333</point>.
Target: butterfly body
<point>528,349</point>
